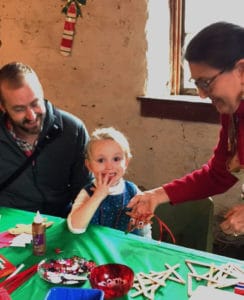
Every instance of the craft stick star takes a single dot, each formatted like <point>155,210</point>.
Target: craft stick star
<point>216,276</point>
<point>147,284</point>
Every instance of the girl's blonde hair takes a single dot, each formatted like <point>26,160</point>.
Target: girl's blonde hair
<point>109,133</point>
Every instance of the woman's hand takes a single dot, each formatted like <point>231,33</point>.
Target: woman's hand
<point>144,204</point>
<point>234,221</point>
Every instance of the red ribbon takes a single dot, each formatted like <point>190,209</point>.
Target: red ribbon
<point>163,226</point>
<point>14,282</point>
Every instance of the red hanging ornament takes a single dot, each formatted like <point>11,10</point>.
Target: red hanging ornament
<point>69,29</point>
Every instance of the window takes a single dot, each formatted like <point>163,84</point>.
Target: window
<point>171,25</point>
<point>197,15</point>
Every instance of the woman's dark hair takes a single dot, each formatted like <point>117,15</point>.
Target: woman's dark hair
<point>219,45</point>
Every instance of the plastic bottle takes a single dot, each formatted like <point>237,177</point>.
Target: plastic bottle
<point>38,235</point>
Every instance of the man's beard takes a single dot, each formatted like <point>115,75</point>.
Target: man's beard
<point>20,126</point>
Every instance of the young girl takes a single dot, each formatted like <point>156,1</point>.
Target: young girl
<point>104,201</point>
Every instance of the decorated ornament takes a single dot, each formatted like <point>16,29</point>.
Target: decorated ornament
<point>72,11</point>
<point>69,271</point>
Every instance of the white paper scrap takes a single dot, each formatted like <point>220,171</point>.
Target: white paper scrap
<point>210,293</point>
<point>21,240</point>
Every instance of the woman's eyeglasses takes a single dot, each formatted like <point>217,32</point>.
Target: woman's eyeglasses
<point>204,84</point>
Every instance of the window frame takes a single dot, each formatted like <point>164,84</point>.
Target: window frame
<point>182,103</point>
<point>177,40</point>
<point>176,8</point>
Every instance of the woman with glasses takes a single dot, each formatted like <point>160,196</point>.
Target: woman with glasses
<point>216,60</point>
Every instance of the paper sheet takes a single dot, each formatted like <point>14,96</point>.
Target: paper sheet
<point>209,293</point>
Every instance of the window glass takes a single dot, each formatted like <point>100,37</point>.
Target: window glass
<point>199,14</point>
<point>157,30</point>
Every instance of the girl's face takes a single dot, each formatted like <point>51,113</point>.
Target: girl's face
<point>107,157</point>
<point>225,90</point>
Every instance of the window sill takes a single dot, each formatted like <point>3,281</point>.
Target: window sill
<point>186,108</point>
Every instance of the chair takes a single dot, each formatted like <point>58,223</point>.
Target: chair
<point>190,222</point>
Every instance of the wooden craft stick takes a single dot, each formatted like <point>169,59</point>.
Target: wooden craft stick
<point>189,285</point>
<point>160,275</point>
<point>177,275</point>
<point>225,270</point>
<point>210,274</point>
<point>219,274</point>
<point>199,263</point>
<point>189,281</point>
<point>238,268</point>
<point>197,277</point>
<point>139,286</point>
<point>193,271</point>
<point>156,280</point>
<point>136,286</point>
<point>172,267</point>
<point>20,267</point>
<point>176,280</point>
<point>226,283</point>
<point>153,290</point>
<point>237,272</point>
<point>163,277</point>
<point>135,294</point>
<point>145,290</point>
<point>169,271</point>
<point>203,278</point>
<point>189,265</point>
<point>146,281</point>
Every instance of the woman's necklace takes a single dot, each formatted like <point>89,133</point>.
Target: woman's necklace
<point>233,164</point>
<point>233,132</point>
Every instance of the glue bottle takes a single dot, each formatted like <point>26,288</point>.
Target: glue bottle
<point>38,235</point>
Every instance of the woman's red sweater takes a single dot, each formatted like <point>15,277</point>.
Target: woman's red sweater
<point>213,178</point>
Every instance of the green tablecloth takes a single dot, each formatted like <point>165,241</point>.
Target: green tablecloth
<point>103,245</point>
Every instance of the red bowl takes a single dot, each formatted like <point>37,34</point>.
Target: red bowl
<point>114,279</point>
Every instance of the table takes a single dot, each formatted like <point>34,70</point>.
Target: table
<point>103,245</point>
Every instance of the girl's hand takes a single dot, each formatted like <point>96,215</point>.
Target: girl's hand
<point>103,183</point>
<point>234,221</point>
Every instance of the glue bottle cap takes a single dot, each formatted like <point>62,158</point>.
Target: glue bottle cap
<point>38,218</point>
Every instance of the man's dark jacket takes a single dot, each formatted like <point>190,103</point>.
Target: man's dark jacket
<point>52,181</point>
